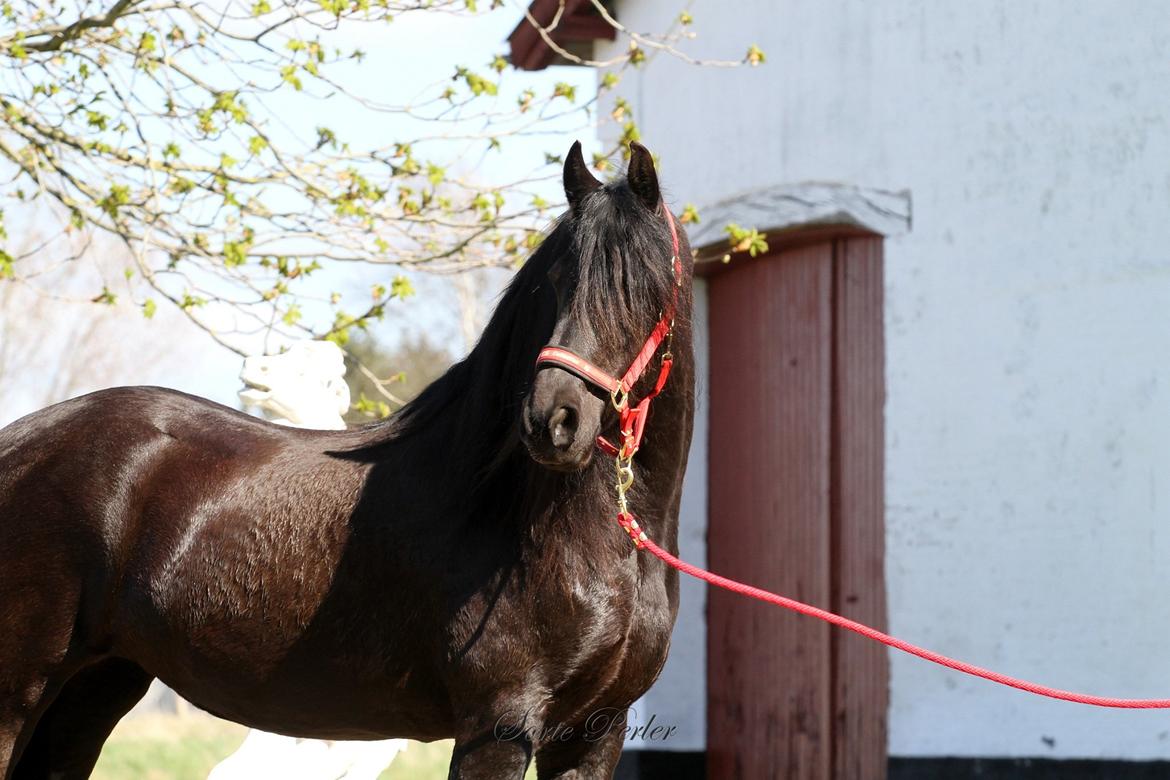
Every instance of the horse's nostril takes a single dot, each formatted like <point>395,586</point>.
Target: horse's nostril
<point>562,427</point>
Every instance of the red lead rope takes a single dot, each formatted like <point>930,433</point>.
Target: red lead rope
<point>641,540</point>
<point>633,420</point>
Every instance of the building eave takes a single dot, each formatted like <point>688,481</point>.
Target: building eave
<point>801,207</point>
<point>577,25</point>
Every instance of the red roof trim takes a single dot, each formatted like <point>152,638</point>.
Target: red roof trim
<point>579,23</point>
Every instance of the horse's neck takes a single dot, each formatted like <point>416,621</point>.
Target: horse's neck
<point>663,455</point>
<point>474,443</point>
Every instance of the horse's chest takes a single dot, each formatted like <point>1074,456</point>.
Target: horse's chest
<point>608,638</point>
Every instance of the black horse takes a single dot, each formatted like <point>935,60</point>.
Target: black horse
<point>453,572</point>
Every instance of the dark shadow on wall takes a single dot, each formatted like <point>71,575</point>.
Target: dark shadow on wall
<point>691,765</point>
<point>1025,769</point>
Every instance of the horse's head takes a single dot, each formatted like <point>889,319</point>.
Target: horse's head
<point>613,277</point>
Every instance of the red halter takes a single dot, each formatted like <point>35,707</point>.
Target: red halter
<point>633,418</point>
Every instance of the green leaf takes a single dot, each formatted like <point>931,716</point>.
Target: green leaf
<point>477,83</point>
<point>149,307</point>
<point>235,253</point>
<point>567,91</point>
<point>747,240</point>
<point>118,196</point>
<point>190,301</point>
<point>630,133</point>
<point>289,74</point>
<point>755,56</point>
<point>371,407</point>
<point>400,287</point>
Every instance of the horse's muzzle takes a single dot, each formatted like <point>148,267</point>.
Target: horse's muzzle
<point>560,422</point>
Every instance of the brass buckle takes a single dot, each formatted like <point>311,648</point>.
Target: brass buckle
<point>624,471</point>
<point>619,397</point>
<point>669,354</point>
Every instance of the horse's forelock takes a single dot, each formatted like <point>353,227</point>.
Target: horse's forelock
<point>624,275</point>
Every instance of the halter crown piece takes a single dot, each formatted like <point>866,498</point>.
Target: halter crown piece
<point>632,418</point>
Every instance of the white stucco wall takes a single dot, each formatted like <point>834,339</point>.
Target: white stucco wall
<point>1028,325</point>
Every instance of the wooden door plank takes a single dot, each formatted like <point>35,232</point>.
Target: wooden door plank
<point>860,667</point>
<point>769,675</point>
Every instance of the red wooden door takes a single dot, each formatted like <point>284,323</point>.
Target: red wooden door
<point>796,506</point>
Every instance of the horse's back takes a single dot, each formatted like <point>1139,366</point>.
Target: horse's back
<point>84,454</point>
<point>116,488</point>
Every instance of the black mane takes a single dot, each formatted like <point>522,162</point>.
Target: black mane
<point>618,255</point>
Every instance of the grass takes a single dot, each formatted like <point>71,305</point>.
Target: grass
<point>167,747</point>
<point>171,747</point>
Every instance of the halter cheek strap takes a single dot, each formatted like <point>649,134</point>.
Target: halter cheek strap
<point>632,418</point>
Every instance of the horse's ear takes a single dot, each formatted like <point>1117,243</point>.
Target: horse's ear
<point>641,176</point>
<point>579,182</point>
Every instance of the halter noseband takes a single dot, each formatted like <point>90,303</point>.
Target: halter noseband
<point>633,418</point>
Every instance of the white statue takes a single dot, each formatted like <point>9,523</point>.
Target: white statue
<point>270,755</point>
<point>303,387</point>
